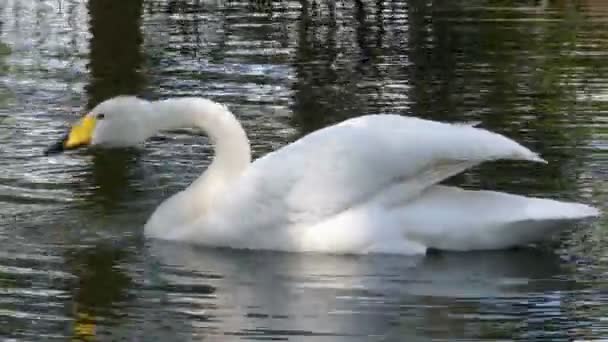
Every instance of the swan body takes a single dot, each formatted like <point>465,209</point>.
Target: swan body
<point>366,185</point>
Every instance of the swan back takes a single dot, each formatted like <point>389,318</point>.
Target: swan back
<point>381,159</point>
<point>343,165</point>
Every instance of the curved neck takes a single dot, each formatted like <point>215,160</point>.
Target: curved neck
<point>232,151</point>
<point>232,157</point>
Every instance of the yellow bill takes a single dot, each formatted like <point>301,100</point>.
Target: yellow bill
<point>80,134</point>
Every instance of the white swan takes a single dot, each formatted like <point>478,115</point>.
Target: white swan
<point>368,184</point>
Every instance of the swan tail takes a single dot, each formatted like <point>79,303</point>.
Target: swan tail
<point>450,218</point>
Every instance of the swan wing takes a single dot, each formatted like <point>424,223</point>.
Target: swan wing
<point>345,165</point>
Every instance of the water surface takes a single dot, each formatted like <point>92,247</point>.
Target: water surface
<point>73,259</point>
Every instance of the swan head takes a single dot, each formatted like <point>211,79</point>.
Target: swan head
<point>117,122</point>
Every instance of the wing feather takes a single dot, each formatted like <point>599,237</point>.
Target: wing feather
<point>344,165</point>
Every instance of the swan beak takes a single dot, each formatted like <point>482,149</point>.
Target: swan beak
<point>79,135</point>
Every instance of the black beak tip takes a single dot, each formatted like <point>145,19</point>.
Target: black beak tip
<point>56,148</point>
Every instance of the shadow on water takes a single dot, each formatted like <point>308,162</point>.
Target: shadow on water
<point>113,173</point>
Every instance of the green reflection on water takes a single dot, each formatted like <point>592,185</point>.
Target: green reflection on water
<point>101,288</point>
<point>5,51</point>
<point>115,50</point>
<point>115,67</point>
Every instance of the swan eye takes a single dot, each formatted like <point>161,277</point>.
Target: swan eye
<point>101,116</point>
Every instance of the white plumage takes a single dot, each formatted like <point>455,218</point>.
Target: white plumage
<point>368,184</point>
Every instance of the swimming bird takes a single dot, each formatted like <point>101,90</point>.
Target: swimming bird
<point>369,184</point>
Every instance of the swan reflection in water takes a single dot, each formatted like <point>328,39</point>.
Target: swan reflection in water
<point>221,292</point>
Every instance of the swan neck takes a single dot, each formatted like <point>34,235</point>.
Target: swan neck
<point>232,150</point>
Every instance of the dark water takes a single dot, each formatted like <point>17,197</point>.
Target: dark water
<point>74,263</point>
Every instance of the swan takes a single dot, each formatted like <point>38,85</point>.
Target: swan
<point>366,185</point>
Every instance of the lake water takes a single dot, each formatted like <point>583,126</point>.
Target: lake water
<point>73,259</point>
